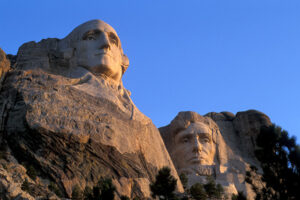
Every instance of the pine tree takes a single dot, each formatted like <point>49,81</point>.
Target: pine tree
<point>123,197</point>
<point>197,192</point>
<point>164,185</point>
<point>220,191</point>
<point>104,189</point>
<point>88,193</point>
<point>280,160</point>
<point>239,196</point>
<point>210,187</point>
<point>184,180</point>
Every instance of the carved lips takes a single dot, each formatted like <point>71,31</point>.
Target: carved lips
<point>198,159</point>
<point>104,52</point>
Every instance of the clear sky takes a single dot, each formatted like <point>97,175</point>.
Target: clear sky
<point>199,55</point>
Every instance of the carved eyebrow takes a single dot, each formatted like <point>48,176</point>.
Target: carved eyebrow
<point>205,135</point>
<point>181,135</point>
<point>90,32</point>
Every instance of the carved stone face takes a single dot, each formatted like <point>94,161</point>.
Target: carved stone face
<point>193,147</point>
<point>97,48</point>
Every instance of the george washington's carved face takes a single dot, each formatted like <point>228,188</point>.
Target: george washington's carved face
<point>97,48</point>
<point>193,147</point>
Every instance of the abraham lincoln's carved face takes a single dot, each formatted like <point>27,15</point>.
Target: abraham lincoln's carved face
<point>194,146</point>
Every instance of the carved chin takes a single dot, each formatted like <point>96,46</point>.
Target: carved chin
<point>199,170</point>
<point>200,161</point>
<point>204,170</point>
<point>102,69</point>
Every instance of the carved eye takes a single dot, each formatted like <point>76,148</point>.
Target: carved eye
<point>90,37</point>
<point>185,140</point>
<point>206,140</point>
<point>113,39</point>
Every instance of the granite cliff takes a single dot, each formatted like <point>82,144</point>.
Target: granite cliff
<point>72,121</point>
<point>222,147</point>
<point>67,120</point>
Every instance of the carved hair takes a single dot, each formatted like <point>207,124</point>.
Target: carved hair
<point>182,122</point>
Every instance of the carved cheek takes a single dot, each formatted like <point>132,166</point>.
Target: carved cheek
<point>207,147</point>
<point>182,150</point>
<point>82,49</point>
<point>116,55</point>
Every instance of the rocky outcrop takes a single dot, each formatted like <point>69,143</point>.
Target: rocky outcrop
<point>73,127</point>
<point>240,132</point>
<point>4,64</point>
<point>66,120</point>
<point>234,144</point>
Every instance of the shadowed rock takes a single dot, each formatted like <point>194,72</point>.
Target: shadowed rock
<point>68,114</point>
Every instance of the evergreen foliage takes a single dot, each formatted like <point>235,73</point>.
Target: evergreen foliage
<point>207,191</point>
<point>27,187</point>
<point>164,185</point>
<point>88,193</point>
<point>31,172</point>
<point>239,196</point>
<point>54,188</point>
<point>280,160</point>
<point>77,193</point>
<point>184,180</point>
<point>210,187</point>
<point>220,191</point>
<point>104,189</point>
<point>197,192</point>
<point>124,197</point>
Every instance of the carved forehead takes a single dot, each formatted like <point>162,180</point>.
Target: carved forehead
<point>80,30</point>
<point>198,127</point>
<point>93,25</point>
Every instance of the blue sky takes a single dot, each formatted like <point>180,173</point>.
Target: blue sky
<point>194,55</point>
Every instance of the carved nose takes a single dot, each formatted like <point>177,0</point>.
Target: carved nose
<point>197,146</point>
<point>105,44</point>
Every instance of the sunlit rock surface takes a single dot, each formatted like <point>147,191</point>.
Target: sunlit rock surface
<point>66,113</point>
<point>229,138</point>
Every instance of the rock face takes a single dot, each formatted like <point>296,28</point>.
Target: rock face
<point>4,66</point>
<point>234,139</point>
<point>67,121</point>
<point>66,113</point>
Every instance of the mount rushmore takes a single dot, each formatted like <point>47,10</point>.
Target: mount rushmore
<point>66,114</point>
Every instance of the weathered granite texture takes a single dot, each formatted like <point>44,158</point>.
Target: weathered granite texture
<point>233,138</point>
<point>66,113</point>
<point>4,63</point>
<point>4,66</point>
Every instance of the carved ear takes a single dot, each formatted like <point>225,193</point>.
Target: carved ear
<point>125,63</point>
<point>68,53</point>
